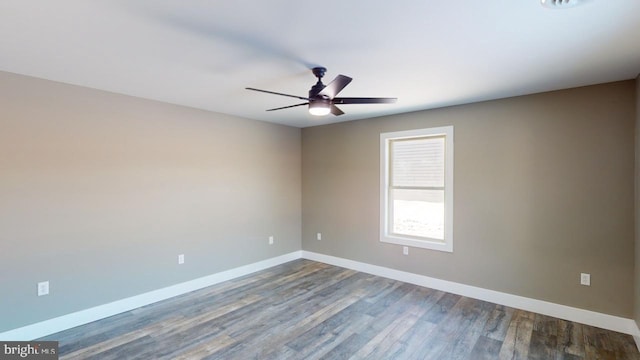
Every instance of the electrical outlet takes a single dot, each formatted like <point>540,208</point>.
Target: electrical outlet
<point>405,250</point>
<point>319,236</point>
<point>180,259</point>
<point>585,279</point>
<point>43,288</point>
<point>270,240</point>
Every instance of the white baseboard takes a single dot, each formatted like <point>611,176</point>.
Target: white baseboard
<point>610,322</point>
<point>47,327</point>
<point>65,322</point>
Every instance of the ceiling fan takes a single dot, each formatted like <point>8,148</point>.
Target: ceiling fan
<point>322,98</point>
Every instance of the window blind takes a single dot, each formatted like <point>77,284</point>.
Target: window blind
<point>418,162</point>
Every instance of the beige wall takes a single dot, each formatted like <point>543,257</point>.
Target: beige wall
<point>544,188</point>
<point>100,192</point>
<point>637,208</point>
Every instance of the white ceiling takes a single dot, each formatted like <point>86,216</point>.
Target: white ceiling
<point>427,53</point>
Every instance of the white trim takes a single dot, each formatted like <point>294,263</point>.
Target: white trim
<point>588,317</point>
<point>82,317</point>
<point>47,327</point>
<point>385,209</point>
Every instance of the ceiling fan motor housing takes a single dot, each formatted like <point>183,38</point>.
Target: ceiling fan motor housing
<point>315,90</point>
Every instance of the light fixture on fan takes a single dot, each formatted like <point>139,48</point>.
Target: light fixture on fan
<point>320,107</point>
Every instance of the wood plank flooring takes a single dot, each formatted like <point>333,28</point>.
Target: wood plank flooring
<point>309,310</point>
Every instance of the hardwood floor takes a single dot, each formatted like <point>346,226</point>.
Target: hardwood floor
<point>309,310</point>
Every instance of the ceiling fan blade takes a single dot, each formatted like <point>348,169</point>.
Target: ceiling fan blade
<point>350,100</point>
<point>336,110</point>
<point>277,93</point>
<point>286,107</point>
<point>333,88</point>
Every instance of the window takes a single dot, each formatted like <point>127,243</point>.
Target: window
<point>416,188</point>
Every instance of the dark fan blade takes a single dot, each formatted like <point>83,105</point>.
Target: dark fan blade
<point>277,93</point>
<point>364,100</point>
<point>336,111</point>
<point>333,88</point>
<point>290,106</point>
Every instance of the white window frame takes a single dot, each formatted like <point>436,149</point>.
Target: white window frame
<point>385,210</point>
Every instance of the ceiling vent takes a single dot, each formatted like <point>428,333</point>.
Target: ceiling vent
<point>561,4</point>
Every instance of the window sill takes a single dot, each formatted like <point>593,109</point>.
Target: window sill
<point>446,246</point>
